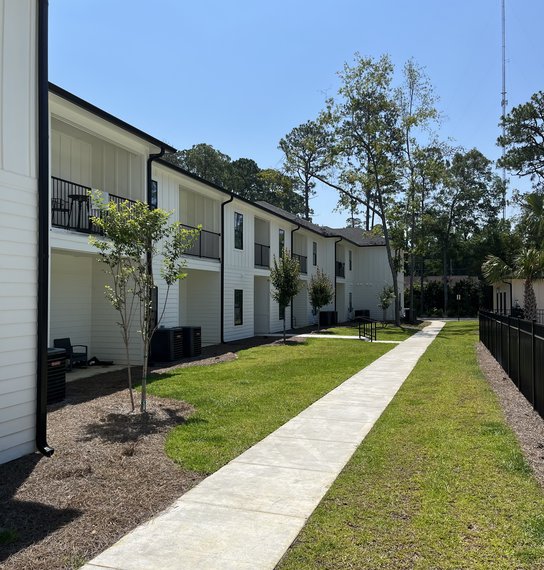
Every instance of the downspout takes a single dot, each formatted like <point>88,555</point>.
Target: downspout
<point>43,232</point>
<point>292,232</point>
<point>149,259</point>
<point>150,159</point>
<point>222,296</point>
<point>337,241</point>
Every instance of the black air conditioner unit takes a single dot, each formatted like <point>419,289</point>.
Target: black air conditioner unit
<point>56,375</point>
<point>192,341</point>
<point>167,344</point>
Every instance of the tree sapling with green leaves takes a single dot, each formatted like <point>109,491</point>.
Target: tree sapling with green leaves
<point>285,279</point>
<point>385,298</point>
<point>132,234</point>
<point>320,291</point>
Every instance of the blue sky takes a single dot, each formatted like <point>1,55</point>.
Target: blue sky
<point>240,75</point>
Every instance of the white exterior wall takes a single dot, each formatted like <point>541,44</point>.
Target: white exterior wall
<point>71,299</point>
<point>239,272</point>
<point>276,324</point>
<point>262,305</point>
<point>18,228</point>
<point>100,154</point>
<point>517,293</point>
<point>200,304</point>
<point>79,309</point>
<point>371,274</point>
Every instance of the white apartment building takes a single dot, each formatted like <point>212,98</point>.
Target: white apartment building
<point>55,148</point>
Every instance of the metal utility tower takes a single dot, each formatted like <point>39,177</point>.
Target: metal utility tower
<point>504,102</point>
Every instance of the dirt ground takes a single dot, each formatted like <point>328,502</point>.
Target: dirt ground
<point>109,472</point>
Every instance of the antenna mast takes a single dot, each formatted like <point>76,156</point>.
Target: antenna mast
<point>503,103</point>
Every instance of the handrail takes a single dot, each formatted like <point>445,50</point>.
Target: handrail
<point>367,328</point>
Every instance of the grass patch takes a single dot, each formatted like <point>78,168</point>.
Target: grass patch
<point>390,332</point>
<point>439,483</point>
<point>238,403</point>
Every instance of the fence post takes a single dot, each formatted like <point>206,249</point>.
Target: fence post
<point>518,379</point>
<point>533,379</point>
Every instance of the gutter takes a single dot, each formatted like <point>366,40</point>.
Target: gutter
<point>43,231</point>
<point>292,232</point>
<point>223,204</point>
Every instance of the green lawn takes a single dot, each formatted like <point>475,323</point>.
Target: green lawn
<point>439,483</point>
<point>390,332</point>
<point>238,403</point>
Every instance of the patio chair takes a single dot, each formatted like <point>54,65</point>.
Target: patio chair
<point>73,357</point>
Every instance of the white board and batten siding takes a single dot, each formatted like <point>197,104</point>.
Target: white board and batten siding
<point>239,272</point>
<point>18,228</point>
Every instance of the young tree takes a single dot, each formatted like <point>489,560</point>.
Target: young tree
<point>132,233</point>
<point>285,279</point>
<point>320,291</point>
<point>385,298</point>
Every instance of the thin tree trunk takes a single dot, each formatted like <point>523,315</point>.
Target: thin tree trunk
<point>130,390</point>
<point>445,280</point>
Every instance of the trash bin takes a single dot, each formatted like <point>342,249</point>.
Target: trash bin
<point>327,318</point>
<point>409,315</point>
<point>56,375</point>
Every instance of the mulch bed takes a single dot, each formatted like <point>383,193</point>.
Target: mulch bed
<point>109,472</point>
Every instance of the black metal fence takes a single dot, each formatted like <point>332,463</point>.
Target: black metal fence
<point>340,269</point>
<point>262,255</point>
<point>518,346</point>
<point>72,206</point>
<point>302,261</point>
<point>205,245</point>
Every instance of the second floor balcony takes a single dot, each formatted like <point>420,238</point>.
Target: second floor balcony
<point>72,207</point>
<point>340,269</point>
<point>302,261</point>
<point>262,255</point>
<point>206,244</point>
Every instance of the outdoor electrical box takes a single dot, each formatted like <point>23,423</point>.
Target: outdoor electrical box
<point>192,341</point>
<point>167,345</point>
<point>56,375</point>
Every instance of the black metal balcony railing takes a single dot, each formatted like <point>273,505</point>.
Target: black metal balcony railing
<point>302,261</point>
<point>262,255</point>
<point>206,244</point>
<point>340,269</point>
<point>72,207</point>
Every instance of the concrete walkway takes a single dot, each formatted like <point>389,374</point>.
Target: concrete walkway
<point>246,515</point>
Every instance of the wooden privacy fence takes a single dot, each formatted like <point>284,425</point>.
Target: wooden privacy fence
<point>518,346</point>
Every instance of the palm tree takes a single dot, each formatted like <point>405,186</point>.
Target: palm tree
<point>532,219</point>
<point>528,265</point>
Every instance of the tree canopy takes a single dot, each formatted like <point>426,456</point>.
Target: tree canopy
<point>242,176</point>
<point>523,140</point>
